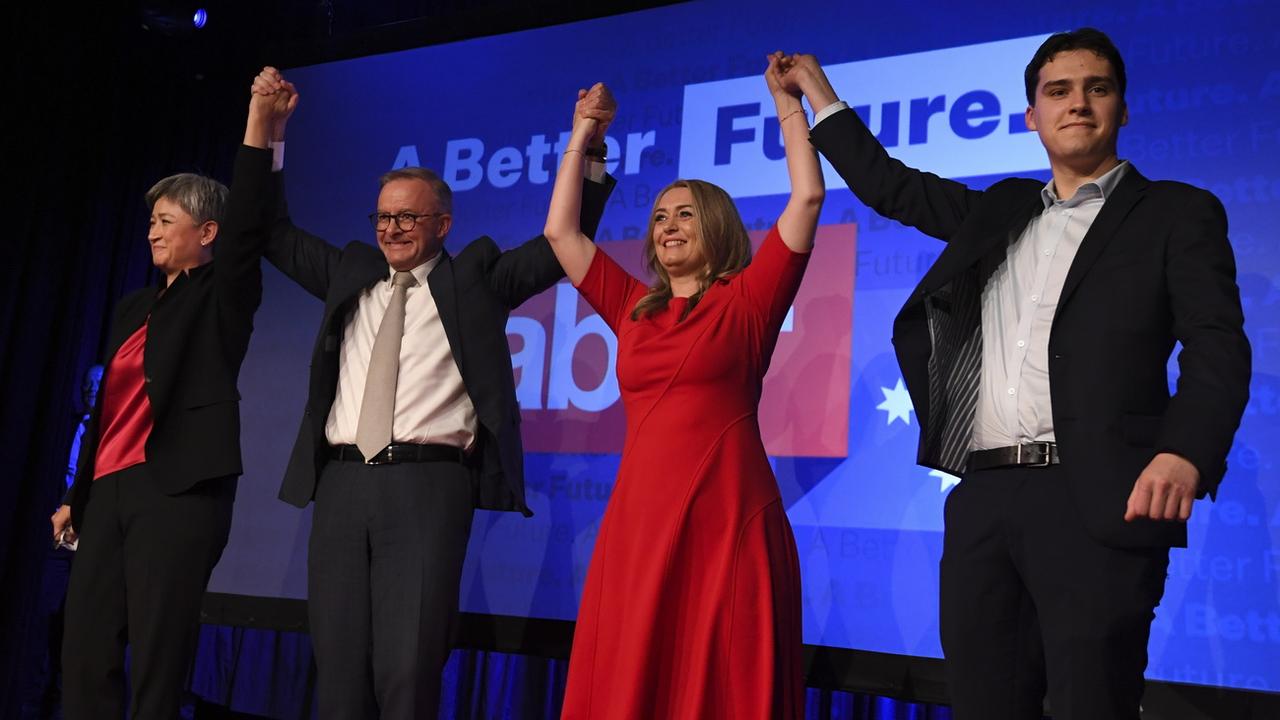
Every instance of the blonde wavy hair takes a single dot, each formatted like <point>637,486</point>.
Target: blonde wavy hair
<point>725,245</point>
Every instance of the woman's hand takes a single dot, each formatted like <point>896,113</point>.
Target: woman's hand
<point>62,530</point>
<point>779,78</point>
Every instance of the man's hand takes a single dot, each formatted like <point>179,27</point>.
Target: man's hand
<point>272,100</point>
<point>802,74</point>
<point>596,104</point>
<point>62,523</point>
<point>1164,490</point>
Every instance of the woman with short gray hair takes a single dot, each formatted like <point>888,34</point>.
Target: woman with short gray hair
<point>150,509</point>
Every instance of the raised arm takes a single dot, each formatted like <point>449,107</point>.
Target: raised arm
<point>247,226</point>
<point>803,74</point>
<point>799,219</point>
<point>307,259</point>
<point>922,200</point>
<point>272,100</point>
<point>563,230</point>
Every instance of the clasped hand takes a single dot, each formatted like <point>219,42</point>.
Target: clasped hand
<point>272,99</point>
<point>595,106</point>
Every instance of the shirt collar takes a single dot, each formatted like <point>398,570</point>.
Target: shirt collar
<point>420,272</point>
<point>162,282</point>
<point>1098,189</point>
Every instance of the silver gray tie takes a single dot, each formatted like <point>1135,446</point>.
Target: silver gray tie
<point>377,409</point>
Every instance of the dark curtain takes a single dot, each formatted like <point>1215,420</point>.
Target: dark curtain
<point>241,672</point>
<point>96,110</point>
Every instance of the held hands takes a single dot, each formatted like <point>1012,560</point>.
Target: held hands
<point>595,111</point>
<point>799,219</point>
<point>592,114</point>
<point>272,100</point>
<point>780,65</point>
<point>1164,490</point>
<point>801,74</point>
<point>786,99</point>
<point>62,530</point>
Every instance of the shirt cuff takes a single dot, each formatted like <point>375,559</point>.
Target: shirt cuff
<point>830,110</point>
<point>277,155</point>
<point>596,170</point>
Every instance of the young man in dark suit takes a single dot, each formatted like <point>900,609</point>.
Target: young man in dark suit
<point>394,488</point>
<point>1035,350</point>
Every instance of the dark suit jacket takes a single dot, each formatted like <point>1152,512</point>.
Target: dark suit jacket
<point>197,336</point>
<point>1154,268</point>
<point>475,293</point>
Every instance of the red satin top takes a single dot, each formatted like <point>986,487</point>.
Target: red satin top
<point>126,410</point>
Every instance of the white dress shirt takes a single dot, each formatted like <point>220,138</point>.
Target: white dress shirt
<point>432,405</point>
<point>1018,305</point>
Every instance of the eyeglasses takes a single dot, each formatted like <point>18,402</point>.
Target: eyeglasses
<point>406,221</point>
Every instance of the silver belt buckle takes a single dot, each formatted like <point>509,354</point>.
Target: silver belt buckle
<point>1045,450</point>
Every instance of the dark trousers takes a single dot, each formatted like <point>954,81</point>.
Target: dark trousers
<point>1030,602</point>
<point>139,576</point>
<point>384,564</point>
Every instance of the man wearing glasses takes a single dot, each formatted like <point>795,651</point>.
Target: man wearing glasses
<point>411,423</point>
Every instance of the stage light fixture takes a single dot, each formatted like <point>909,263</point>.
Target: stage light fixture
<point>200,17</point>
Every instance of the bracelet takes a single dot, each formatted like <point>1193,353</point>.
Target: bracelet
<point>596,152</point>
<point>794,112</point>
<point>569,150</point>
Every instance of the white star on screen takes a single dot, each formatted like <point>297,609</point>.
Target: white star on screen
<point>948,480</point>
<point>897,403</point>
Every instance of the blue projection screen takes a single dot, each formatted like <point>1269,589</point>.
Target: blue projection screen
<point>1204,107</point>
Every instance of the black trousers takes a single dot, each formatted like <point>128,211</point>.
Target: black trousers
<point>1031,603</point>
<point>384,564</point>
<point>139,576</point>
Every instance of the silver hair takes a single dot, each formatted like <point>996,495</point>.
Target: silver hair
<point>201,197</point>
<point>440,188</point>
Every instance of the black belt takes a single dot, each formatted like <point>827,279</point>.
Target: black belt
<point>1037,454</point>
<point>400,453</point>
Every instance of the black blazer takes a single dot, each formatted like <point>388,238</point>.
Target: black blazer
<point>475,293</point>
<point>197,336</point>
<point>1155,267</point>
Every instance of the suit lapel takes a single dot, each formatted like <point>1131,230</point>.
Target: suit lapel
<point>444,291</point>
<point>368,266</point>
<point>1128,193</point>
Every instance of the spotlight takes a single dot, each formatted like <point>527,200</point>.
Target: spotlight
<point>173,18</point>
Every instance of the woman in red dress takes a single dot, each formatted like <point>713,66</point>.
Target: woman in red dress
<point>691,607</point>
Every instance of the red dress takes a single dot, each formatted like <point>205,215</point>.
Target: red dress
<point>691,607</point>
